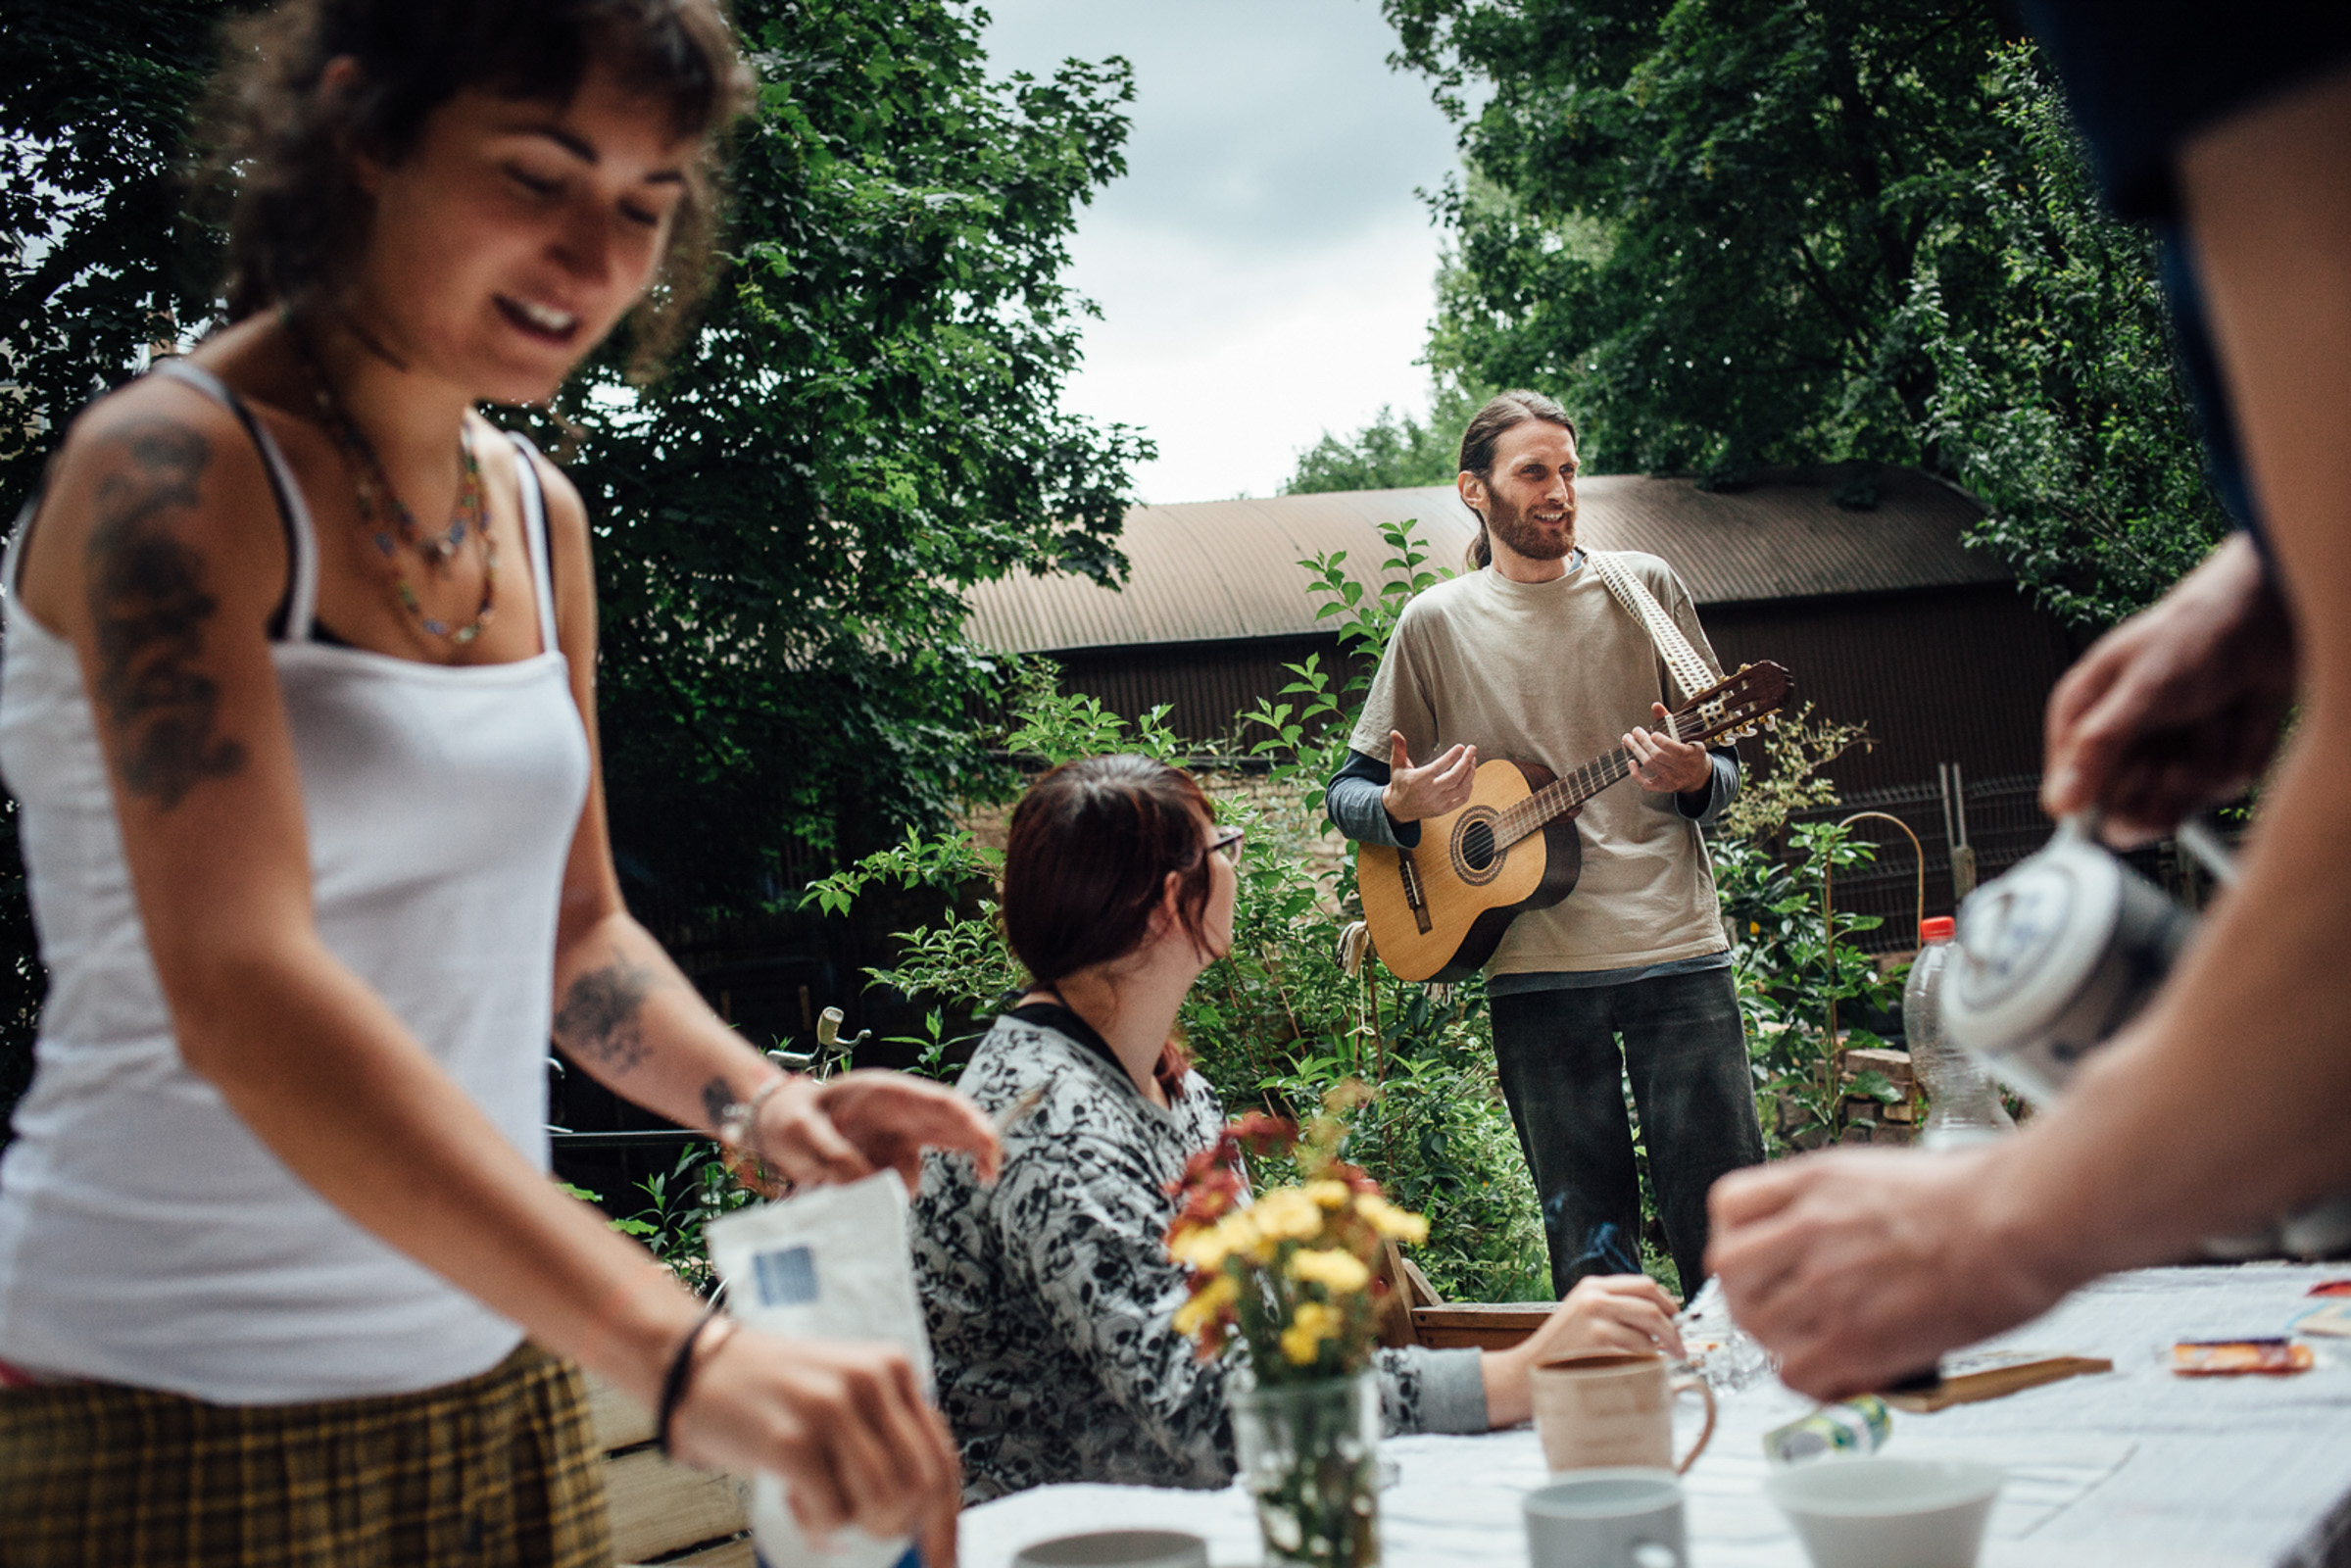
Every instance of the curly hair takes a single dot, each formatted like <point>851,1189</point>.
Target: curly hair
<point>281,149</point>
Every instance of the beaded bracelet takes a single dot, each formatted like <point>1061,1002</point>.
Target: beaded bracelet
<point>681,1375</point>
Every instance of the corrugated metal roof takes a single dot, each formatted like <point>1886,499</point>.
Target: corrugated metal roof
<point>1211,570</point>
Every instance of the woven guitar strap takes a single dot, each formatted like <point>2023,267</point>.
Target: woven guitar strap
<point>1691,669</point>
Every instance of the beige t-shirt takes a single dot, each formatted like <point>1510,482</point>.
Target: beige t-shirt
<point>1556,672</point>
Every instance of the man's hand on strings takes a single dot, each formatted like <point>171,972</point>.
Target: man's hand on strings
<point>1415,794</point>
<point>1663,765</point>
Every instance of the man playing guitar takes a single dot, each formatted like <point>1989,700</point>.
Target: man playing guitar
<point>1528,656</point>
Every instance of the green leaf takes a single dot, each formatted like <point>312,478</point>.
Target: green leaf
<point>1873,1084</point>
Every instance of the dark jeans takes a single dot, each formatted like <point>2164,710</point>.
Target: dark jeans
<point>1563,1077</point>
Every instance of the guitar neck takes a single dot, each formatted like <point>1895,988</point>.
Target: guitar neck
<point>1561,795</point>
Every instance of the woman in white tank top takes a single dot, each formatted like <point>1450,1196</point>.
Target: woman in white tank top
<point>299,708</point>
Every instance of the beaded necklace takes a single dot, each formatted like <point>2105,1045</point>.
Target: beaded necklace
<point>372,489</point>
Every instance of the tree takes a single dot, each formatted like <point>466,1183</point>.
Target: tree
<point>2059,404</point>
<point>96,262</point>
<point>1700,223</point>
<point>865,423</point>
<point>1391,453</point>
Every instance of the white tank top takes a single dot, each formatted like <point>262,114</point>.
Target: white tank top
<point>146,1235</point>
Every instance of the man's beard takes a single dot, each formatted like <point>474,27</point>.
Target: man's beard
<point>1508,524</point>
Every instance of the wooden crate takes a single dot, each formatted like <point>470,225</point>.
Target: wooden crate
<point>658,1508</point>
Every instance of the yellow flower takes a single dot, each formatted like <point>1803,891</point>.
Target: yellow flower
<point>1206,1301</point>
<point>1208,1248</point>
<point>1328,1193</point>
<point>1397,1224</point>
<point>1337,1271</point>
<point>1285,1215</point>
<point>1301,1341</point>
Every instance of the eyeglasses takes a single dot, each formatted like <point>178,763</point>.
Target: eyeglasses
<point>1228,844</point>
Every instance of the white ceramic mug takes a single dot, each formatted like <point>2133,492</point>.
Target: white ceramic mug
<point>1876,1512</point>
<point>1625,1517</point>
<point>1613,1408</point>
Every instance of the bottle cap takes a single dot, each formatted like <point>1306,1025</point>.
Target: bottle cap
<point>1938,928</point>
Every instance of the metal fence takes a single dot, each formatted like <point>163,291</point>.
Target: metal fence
<point>1999,819</point>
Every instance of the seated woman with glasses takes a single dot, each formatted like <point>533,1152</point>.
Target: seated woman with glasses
<point>1051,1294</point>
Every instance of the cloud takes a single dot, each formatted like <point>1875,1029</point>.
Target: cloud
<point>1266,267</point>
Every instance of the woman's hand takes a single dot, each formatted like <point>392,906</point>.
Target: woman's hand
<point>844,1424</point>
<point>841,1129</point>
<point>1604,1313</point>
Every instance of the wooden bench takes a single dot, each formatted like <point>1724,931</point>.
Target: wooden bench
<point>664,1513</point>
<point>1413,1313</point>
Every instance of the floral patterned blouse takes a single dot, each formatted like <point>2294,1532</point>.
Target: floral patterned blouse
<point>1049,1295</point>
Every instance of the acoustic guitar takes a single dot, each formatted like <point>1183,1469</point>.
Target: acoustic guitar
<point>1438,912</point>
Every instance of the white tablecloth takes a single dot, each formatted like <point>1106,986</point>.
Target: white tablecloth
<point>2137,1467</point>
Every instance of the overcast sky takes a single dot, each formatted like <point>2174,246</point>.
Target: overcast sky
<point>1264,269</point>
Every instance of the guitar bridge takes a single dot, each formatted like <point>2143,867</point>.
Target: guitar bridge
<point>1414,899</point>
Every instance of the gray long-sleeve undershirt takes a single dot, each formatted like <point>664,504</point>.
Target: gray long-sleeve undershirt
<point>1353,799</point>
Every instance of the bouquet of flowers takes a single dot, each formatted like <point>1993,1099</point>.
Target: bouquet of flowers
<point>1291,1276</point>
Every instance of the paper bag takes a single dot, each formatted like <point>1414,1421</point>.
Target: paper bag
<point>834,1264</point>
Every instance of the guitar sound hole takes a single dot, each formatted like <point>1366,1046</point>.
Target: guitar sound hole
<point>1477,846</point>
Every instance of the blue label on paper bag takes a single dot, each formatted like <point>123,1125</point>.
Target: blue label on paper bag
<point>786,1278</point>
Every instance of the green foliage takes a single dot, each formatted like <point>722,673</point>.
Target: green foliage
<point>865,424</point>
<point>1794,751</point>
<point>1698,222</point>
<point>1278,1022</point>
<point>2059,403</point>
<point>679,1205</point>
<point>1394,452</point>
<point>96,263</point>
<point>97,260</point>
<point>1790,970</point>
<point>1732,234</point>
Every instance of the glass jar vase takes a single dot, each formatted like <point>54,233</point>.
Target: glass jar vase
<point>1310,1456</point>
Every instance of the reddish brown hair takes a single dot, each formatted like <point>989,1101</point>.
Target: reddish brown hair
<point>1092,846</point>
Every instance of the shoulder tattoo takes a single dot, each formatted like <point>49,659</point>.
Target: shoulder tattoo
<point>148,610</point>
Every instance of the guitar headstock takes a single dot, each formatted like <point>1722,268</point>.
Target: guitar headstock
<point>1737,705</point>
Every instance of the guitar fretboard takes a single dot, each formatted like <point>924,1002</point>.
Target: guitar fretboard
<point>1562,794</point>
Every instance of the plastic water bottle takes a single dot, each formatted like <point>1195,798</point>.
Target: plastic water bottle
<point>1963,1106</point>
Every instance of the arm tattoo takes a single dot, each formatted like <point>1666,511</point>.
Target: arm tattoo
<point>598,1015</point>
<point>147,612</point>
<point>716,1095</point>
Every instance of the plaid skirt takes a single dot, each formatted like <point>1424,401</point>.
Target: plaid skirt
<point>499,1470</point>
